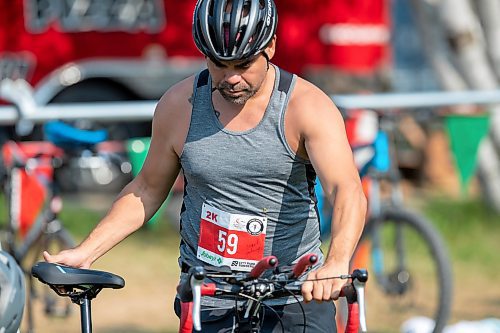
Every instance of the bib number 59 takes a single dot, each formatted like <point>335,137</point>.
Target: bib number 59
<point>227,241</point>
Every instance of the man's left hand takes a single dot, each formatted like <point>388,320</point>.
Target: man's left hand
<point>324,284</point>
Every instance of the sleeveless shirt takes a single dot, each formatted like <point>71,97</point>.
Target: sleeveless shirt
<point>253,172</point>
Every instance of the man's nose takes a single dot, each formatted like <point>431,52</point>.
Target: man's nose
<point>232,77</point>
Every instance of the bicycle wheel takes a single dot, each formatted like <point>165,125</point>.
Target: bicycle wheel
<point>410,272</point>
<point>53,239</point>
<point>53,305</point>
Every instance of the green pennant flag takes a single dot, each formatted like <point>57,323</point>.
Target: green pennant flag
<point>465,133</point>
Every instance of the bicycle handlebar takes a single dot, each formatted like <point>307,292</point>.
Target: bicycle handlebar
<point>303,264</point>
<point>263,265</point>
<point>20,93</point>
<point>277,286</point>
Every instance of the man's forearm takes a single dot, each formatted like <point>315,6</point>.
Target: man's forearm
<point>132,208</point>
<point>349,213</point>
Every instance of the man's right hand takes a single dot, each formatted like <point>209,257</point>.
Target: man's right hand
<point>72,257</point>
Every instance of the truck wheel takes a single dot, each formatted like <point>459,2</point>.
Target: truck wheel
<point>70,177</point>
<point>104,91</point>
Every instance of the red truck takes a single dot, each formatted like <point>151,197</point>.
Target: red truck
<point>118,50</point>
<point>94,50</point>
<point>138,48</point>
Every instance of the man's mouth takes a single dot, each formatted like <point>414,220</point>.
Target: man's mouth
<point>234,92</point>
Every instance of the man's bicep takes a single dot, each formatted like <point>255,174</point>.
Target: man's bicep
<point>169,131</point>
<point>161,166</point>
<point>329,151</point>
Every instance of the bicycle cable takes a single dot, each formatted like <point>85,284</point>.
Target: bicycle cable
<point>211,277</point>
<point>304,319</point>
<point>342,277</point>
<point>275,313</point>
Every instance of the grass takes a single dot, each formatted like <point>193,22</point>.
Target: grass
<point>468,226</point>
<point>147,260</point>
<point>470,229</point>
<point>79,221</point>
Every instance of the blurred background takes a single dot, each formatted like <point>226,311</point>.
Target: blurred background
<point>88,52</point>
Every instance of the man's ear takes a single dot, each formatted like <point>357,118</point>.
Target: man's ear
<point>271,48</point>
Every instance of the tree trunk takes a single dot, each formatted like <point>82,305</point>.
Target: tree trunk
<point>438,55</point>
<point>488,11</point>
<point>466,43</point>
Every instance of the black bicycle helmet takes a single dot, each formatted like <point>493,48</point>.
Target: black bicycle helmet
<point>238,34</point>
<point>12,294</point>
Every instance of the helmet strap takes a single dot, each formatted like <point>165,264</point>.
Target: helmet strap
<point>267,58</point>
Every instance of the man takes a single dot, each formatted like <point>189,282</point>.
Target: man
<point>249,138</point>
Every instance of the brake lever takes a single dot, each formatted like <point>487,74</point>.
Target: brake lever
<point>359,278</point>
<point>197,276</point>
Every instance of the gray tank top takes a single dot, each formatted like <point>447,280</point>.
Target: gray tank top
<point>250,184</point>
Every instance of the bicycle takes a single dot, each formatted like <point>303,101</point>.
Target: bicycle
<point>404,251</point>
<point>83,285</point>
<point>33,206</point>
<point>36,163</point>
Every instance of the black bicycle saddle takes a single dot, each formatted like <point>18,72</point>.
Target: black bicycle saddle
<point>59,275</point>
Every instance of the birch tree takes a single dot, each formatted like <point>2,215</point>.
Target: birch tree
<point>462,42</point>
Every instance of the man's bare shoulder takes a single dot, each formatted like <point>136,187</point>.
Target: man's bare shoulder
<point>176,101</point>
<point>173,115</point>
<point>310,102</point>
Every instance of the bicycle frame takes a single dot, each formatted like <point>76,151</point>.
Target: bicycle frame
<point>389,221</point>
<point>375,164</point>
<point>27,159</point>
<point>37,160</point>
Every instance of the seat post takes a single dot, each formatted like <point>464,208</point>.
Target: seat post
<point>80,285</point>
<point>85,314</point>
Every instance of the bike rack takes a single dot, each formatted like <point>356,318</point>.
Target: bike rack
<point>20,93</point>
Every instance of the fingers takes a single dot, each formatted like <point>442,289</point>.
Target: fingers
<point>307,289</point>
<point>53,259</point>
<point>47,257</point>
<point>320,289</point>
<point>326,292</point>
<point>67,257</point>
<point>336,293</point>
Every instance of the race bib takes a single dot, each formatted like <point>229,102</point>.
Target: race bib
<point>233,240</point>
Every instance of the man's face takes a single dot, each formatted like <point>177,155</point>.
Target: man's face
<point>238,81</point>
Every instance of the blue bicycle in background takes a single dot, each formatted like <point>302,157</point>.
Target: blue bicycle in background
<point>405,254</point>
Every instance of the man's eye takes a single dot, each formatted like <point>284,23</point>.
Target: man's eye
<point>217,63</point>
<point>245,65</point>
